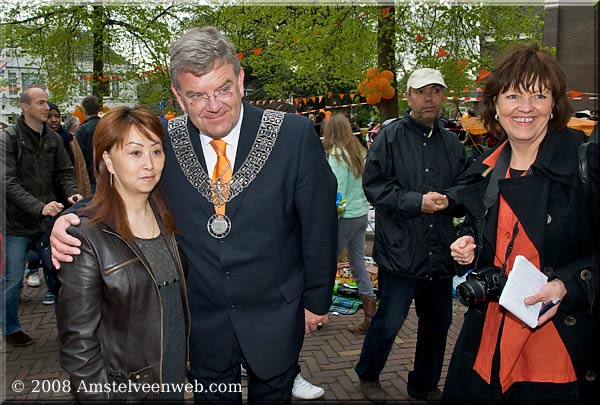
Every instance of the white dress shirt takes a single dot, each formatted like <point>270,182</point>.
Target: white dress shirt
<point>232,139</point>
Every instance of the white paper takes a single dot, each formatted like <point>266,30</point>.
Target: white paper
<point>523,281</point>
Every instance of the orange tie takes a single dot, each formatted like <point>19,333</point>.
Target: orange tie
<point>221,176</point>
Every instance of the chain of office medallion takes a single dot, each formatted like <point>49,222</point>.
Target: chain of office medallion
<point>256,159</point>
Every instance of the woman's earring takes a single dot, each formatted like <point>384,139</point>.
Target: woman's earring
<point>110,180</point>
<point>551,115</point>
<point>496,117</point>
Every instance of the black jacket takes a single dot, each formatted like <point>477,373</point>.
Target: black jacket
<point>551,208</point>
<point>29,184</point>
<point>110,314</point>
<point>85,136</point>
<point>403,164</point>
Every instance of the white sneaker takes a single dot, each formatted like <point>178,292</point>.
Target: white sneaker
<point>33,279</point>
<point>305,390</point>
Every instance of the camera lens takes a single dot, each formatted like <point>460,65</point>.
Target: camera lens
<point>470,292</point>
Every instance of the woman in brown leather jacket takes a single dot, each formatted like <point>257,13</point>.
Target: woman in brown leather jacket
<point>123,311</point>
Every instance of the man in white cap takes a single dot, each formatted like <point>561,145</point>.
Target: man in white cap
<point>410,164</point>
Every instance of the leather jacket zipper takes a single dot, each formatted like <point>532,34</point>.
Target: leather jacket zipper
<point>158,294</point>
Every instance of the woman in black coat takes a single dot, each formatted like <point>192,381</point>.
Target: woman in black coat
<point>525,198</point>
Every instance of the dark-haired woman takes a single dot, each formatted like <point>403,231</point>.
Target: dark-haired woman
<point>123,316</point>
<point>539,210</point>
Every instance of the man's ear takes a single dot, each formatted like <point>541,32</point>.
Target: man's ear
<point>179,99</point>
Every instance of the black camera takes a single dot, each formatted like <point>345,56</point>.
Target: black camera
<point>481,286</point>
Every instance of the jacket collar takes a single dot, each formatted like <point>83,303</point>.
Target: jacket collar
<point>551,158</point>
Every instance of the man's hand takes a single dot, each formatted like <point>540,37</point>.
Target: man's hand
<point>52,208</point>
<point>311,321</point>
<point>462,250</point>
<point>433,202</point>
<point>74,198</point>
<point>62,244</point>
<point>551,290</point>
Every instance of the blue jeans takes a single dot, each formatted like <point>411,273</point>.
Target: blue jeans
<point>433,304</point>
<point>11,283</point>
<point>351,234</point>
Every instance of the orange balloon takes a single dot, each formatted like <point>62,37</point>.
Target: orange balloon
<point>388,92</point>
<point>387,74</point>
<point>373,98</point>
<point>371,73</point>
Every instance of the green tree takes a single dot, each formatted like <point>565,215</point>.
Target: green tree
<point>70,40</point>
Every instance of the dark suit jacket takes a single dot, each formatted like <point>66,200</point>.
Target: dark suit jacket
<point>279,258</point>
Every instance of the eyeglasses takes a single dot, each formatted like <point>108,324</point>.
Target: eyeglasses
<point>200,100</point>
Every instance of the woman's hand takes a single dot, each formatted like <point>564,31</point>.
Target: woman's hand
<point>462,250</point>
<point>552,290</point>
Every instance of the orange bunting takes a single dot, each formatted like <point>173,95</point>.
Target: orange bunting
<point>574,93</point>
<point>352,96</point>
<point>483,73</point>
<point>313,98</point>
<point>341,96</point>
<point>385,12</point>
<point>240,56</point>
<point>441,52</point>
<point>304,100</point>
<point>419,37</point>
<point>329,94</point>
<point>461,62</point>
<point>257,51</point>
<point>321,98</point>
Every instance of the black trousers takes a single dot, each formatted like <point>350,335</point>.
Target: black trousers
<point>220,386</point>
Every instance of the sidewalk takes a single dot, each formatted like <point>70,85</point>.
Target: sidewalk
<point>327,358</point>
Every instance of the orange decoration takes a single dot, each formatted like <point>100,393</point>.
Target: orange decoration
<point>240,56</point>
<point>257,51</point>
<point>385,12</point>
<point>341,96</point>
<point>441,52</point>
<point>419,37</point>
<point>387,74</point>
<point>371,73</point>
<point>462,62</point>
<point>483,73</point>
<point>574,93</point>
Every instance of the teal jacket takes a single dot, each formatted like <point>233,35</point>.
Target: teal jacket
<point>350,186</point>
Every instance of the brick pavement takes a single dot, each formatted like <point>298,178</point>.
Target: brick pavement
<point>327,358</point>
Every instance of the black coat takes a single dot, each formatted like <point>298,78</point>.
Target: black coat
<point>85,137</point>
<point>402,165</point>
<point>550,206</point>
<point>30,183</point>
<point>279,257</point>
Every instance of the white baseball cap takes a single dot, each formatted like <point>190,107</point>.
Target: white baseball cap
<point>424,77</point>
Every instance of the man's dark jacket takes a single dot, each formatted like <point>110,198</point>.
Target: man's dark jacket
<point>85,136</point>
<point>404,163</point>
<point>29,184</point>
<point>278,259</point>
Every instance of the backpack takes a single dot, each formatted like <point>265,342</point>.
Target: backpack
<point>12,132</point>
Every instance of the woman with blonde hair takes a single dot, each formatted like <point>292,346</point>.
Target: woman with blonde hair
<point>123,312</point>
<point>346,157</point>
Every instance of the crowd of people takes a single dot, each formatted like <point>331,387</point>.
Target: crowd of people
<point>217,234</point>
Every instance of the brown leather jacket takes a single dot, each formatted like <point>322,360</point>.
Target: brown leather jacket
<point>110,316</point>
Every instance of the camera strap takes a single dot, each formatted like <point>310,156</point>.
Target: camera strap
<point>491,196</point>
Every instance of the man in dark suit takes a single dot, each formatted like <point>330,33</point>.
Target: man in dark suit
<point>260,239</point>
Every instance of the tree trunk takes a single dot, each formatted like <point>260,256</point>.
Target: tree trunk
<point>386,46</point>
<point>99,87</point>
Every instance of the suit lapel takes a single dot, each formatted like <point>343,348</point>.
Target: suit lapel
<point>248,133</point>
